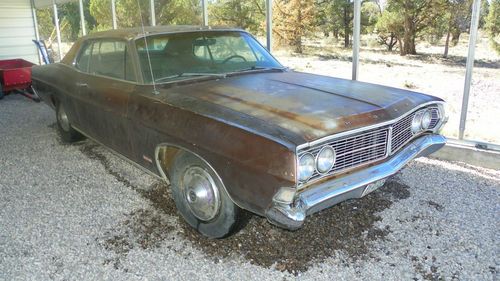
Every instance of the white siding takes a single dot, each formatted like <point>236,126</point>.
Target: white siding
<point>17,30</point>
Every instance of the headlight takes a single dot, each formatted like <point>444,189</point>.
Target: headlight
<point>306,167</point>
<point>426,119</point>
<point>416,123</point>
<point>325,159</point>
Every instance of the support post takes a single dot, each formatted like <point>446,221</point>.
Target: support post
<point>204,7</point>
<point>269,24</point>
<point>476,7</point>
<point>37,32</point>
<point>82,18</point>
<point>356,38</point>
<point>58,30</point>
<point>153,13</point>
<point>113,13</point>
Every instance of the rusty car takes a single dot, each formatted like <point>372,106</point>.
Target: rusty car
<point>230,129</point>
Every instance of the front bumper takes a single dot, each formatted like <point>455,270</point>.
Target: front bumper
<point>328,193</point>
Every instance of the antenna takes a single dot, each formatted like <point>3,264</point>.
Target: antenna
<point>147,50</point>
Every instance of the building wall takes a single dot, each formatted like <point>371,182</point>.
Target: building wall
<point>17,30</point>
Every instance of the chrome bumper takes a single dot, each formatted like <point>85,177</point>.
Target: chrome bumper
<point>326,194</point>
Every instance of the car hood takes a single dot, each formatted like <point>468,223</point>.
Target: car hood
<point>298,107</point>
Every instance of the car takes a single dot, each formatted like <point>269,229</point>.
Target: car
<point>230,129</point>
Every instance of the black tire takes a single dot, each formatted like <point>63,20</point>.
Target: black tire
<point>229,218</point>
<point>1,92</point>
<point>68,134</point>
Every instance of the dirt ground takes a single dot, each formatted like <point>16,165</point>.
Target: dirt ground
<point>427,72</point>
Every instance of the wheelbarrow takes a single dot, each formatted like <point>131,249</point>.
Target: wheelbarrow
<point>15,76</point>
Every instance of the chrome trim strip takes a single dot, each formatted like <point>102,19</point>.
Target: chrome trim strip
<point>375,126</point>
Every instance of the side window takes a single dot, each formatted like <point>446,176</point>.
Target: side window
<point>84,57</point>
<point>110,58</point>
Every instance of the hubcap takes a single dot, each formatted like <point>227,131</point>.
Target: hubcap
<point>201,193</point>
<point>63,119</point>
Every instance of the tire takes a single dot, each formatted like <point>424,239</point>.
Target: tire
<point>68,134</point>
<point>206,207</point>
<point>1,92</point>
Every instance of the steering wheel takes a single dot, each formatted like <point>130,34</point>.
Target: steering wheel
<point>234,57</point>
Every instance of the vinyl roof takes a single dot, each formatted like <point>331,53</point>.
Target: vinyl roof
<point>134,32</point>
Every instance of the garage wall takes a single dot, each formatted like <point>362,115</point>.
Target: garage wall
<point>17,30</point>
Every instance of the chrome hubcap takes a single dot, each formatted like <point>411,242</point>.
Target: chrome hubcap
<point>201,193</point>
<point>63,119</point>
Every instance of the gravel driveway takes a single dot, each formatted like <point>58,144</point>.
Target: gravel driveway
<point>78,212</point>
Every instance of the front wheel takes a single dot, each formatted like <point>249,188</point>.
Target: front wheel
<point>68,134</point>
<point>202,200</point>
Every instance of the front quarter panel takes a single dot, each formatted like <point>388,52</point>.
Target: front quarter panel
<point>251,167</point>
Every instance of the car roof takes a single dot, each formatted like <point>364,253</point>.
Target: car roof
<point>138,32</point>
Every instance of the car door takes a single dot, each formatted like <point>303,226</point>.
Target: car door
<point>105,89</point>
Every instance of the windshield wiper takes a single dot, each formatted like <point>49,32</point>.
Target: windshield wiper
<point>190,74</point>
<point>262,68</point>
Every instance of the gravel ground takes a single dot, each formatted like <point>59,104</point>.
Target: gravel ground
<point>78,212</point>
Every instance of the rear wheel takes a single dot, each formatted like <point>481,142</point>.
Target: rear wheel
<point>202,200</point>
<point>1,92</point>
<point>68,134</point>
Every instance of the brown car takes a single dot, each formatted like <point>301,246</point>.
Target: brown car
<point>211,112</point>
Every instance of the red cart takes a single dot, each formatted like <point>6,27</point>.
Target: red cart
<point>15,75</point>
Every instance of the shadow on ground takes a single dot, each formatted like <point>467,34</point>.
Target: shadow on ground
<point>347,227</point>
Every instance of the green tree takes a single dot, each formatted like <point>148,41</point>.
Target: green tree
<point>390,29</point>
<point>246,14</point>
<point>493,24</point>
<point>414,17</point>
<point>337,16</point>
<point>129,12</point>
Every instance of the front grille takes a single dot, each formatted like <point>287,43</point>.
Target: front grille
<point>401,130</point>
<point>357,150</point>
<point>369,146</point>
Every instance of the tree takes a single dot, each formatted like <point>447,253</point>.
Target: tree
<point>337,16</point>
<point>413,17</point>
<point>390,29</point>
<point>129,13</point>
<point>247,14</point>
<point>493,24</point>
<point>293,20</point>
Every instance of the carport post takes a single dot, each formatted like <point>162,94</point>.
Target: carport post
<point>204,7</point>
<point>269,24</point>
<point>476,7</point>
<point>153,13</point>
<point>82,17</point>
<point>113,13</point>
<point>355,38</point>
<point>37,33</point>
<point>58,31</point>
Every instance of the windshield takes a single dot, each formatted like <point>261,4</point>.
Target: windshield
<point>192,54</point>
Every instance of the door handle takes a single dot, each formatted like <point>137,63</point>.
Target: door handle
<point>81,85</point>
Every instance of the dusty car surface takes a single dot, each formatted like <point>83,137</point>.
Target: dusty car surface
<point>210,111</point>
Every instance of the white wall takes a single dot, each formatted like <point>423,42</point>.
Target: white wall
<point>17,30</point>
